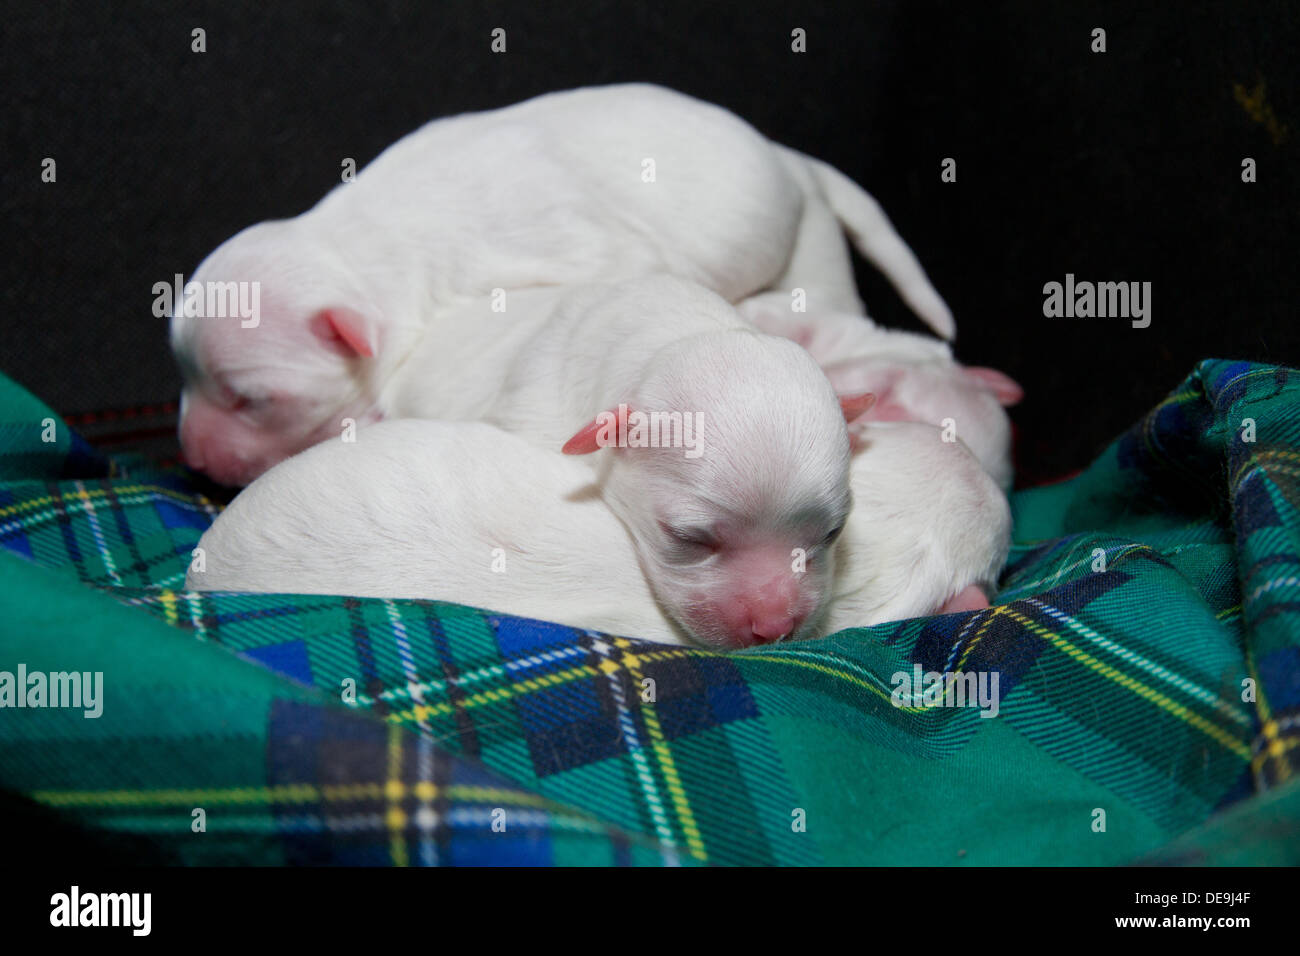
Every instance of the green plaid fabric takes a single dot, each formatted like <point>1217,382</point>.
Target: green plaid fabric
<point>1146,643</point>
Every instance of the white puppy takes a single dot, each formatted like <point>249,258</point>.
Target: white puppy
<point>913,377</point>
<point>447,511</point>
<point>724,449</point>
<point>929,531</point>
<point>585,185</point>
<point>726,441</point>
<point>465,512</point>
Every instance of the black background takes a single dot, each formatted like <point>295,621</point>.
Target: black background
<point>1117,166</point>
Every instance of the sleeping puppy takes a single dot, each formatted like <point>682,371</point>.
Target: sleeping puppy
<point>929,531</point>
<point>914,378</point>
<point>586,185</point>
<point>714,439</point>
<point>721,449</point>
<point>465,512</point>
<point>451,511</point>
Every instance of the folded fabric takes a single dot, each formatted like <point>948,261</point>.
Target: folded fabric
<point>1140,670</point>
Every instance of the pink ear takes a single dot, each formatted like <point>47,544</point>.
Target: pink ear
<point>969,598</point>
<point>587,439</point>
<point>1006,389</point>
<point>346,331</point>
<point>855,406</point>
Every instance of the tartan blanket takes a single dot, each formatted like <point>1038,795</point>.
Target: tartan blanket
<point>1146,642</point>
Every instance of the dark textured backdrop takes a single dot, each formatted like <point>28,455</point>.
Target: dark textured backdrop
<point>1115,166</point>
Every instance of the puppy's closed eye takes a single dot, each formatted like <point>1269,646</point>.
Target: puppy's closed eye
<point>833,536</point>
<point>690,545</point>
<point>253,404</point>
<point>250,402</point>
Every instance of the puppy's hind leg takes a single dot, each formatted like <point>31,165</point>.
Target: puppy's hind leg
<point>820,264</point>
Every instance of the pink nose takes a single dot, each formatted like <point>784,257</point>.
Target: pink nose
<point>210,445</point>
<point>770,610</point>
<point>192,457</point>
<point>220,464</point>
<point>190,431</point>
<point>769,628</point>
<point>204,456</point>
<point>760,602</point>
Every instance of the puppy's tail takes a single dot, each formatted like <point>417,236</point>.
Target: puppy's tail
<point>875,237</point>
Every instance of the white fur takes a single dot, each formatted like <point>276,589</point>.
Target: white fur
<point>912,374</point>
<point>417,509</point>
<point>820,263</point>
<point>773,469</point>
<point>547,192</point>
<point>928,521</point>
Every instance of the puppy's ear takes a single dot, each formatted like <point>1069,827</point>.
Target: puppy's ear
<point>602,431</point>
<point>856,405</point>
<point>346,332</point>
<point>1006,389</point>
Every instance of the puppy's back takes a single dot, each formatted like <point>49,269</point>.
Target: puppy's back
<point>458,512</point>
<point>927,522</point>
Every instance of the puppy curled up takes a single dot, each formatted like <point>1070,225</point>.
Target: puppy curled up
<point>577,186</point>
<point>466,512</point>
